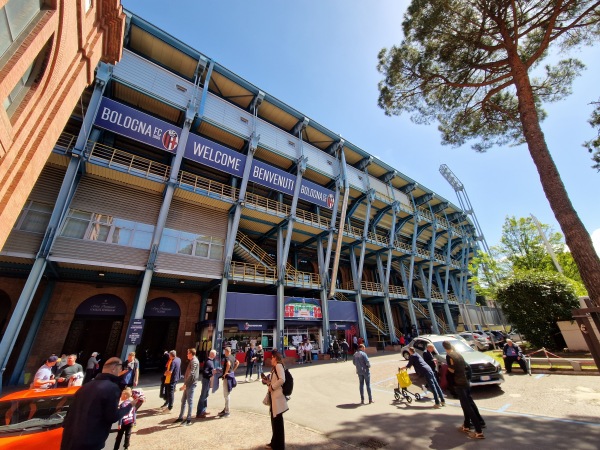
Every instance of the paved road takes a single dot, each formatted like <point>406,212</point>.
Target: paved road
<point>539,411</point>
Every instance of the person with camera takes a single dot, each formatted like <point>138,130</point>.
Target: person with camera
<point>276,400</point>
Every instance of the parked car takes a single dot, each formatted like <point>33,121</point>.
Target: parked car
<point>475,341</point>
<point>499,337</point>
<point>34,418</point>
<point>484,369</point>
<point>516,335</point>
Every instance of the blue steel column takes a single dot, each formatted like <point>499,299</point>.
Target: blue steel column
<point>232,229</point>
<point>447,276</point>
<point>323,292</point>
<point>362,329</point>
<point>410,275</point>
<point>449,319</point>
<point>386,282</point>
<point>67,189</point>
<point>432,314</point>
<point>427,284</point>
<point>17,375</point>
<point>139,305</point>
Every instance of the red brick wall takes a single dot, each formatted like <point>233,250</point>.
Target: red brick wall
<point>78,41</point>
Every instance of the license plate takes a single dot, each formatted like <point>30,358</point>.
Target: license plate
<point>485,378</point>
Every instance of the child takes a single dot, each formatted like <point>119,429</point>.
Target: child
<point>126,423</point>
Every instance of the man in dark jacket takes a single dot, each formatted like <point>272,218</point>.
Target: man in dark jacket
<point>172,376</point>
<point>206,374</point>
<point>423,370</point>
<point>94,410</point>
<point>460,369</point>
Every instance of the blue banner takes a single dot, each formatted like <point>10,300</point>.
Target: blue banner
<point>142,127</point>
<point>134,333</point>
<point>214,155</point>
<point>129,122</point>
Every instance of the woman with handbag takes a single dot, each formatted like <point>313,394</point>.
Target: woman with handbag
<point>276,401</point>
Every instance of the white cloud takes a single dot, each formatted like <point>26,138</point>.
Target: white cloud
<point>596,240</point>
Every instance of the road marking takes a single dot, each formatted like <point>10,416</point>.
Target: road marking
<point>383,381</point>
<point>504,408</point>
<point>541,375</point>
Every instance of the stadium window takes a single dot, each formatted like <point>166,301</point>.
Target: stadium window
<point>88,5</point>
<point>34,217</point>
<point>15,16</point>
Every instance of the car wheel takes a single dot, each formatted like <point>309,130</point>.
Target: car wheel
<point>406,355</point>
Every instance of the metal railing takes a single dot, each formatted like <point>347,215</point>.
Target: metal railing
<point>254,273</point>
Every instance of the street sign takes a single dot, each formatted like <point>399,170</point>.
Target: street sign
<point>134,333</point>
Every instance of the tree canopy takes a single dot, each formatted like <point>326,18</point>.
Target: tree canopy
<point>593,145</point>
<point>534,301</point>
<point>475,67</point>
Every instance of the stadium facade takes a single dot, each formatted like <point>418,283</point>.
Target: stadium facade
<point>183,206</point>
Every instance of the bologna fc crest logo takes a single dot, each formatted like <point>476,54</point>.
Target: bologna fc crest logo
<point>170,140</point>
<point>330,201</point>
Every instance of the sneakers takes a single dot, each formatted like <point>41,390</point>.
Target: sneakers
<point>202,415</point>
<point>371,401</point>
<point>443,403</point>
<point>179,419</point>
<point>436,406</point>
<point>246,380</point>
<point>475,435</point>
<point>223,414</point>
<point>188,422</point>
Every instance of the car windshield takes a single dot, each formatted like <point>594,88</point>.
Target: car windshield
<point>26,414</point>
<point>459,346</point>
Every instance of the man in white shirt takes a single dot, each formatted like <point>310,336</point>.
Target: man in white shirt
<point>308,351</point>
<point>43,378</point>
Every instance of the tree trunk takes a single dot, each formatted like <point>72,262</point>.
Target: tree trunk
<point>576,236</point>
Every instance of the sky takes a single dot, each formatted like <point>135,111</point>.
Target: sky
<point>320,57</point>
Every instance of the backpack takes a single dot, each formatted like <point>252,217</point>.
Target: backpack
<point>288,384</point>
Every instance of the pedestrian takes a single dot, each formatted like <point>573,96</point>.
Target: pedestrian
<point>127,421</point>
<point>511,352</point>
<point>71,374</point>
<point>354,343</point>
<point>190,380</point>
<point>229,365</point>
<point>250,358</point>
<point>308,351</point>
<point>91,368</point>
<point>429,357</point>
<point>336,350</point>
<point>94,409</point>
<point>260,359</point>
<point>423,370</point>
<point>461,372</point>
<point>44,378</point>
<point>345,349</point>
<point>207,373</point>
<point>402,341</point>
<point>172,376</point>
<point>132,371</point>
<point>276,401</point>
<point>363,370</point>
<point>301,353</point>
<point>163,387</point>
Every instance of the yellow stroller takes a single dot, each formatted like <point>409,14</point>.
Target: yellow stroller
<point>403,384</point>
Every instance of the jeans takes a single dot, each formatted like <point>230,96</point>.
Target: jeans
<point>249,367</point>
<point>188,397</point>
<point>203,402</point>
<point>435,388</point>
<point>259,370</point>
<point>170,388</point>
<point>365,379</point>
<point>226,396</point>
<point>470,410</point>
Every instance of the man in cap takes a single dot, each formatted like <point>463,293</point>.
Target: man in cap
<point>91,368</point>
<point>43,378</point>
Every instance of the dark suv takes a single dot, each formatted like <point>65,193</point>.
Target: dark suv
<point>484,368</point>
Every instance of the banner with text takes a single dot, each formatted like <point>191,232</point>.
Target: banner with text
<point>142,127</point>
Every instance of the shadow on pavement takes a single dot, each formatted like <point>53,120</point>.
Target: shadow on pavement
<point>349,406</point>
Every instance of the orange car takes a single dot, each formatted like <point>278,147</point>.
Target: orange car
<point>33,418</point>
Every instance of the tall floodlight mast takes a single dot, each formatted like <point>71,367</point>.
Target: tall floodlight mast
<point>465,204</point>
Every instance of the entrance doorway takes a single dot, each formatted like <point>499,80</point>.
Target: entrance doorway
<point>96,327</point>
<point>161,324</point>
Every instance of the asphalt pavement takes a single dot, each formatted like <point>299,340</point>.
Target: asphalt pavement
<point>539,411</point>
